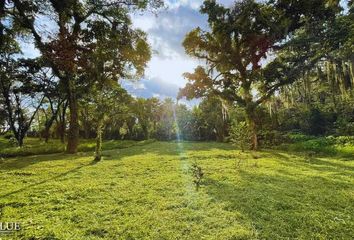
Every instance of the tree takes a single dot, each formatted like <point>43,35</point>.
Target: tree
<point>53,96</point>
<point>146,111</point>
<point>104,67</point>
<point>74,26</point>
<point>107,99</point>
<point>166,125</point>
<point>21,94</point>
<point>215,115</point>
<point>240,42</point>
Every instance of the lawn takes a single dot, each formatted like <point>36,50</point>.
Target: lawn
<point>146,191</point>
<point>35,146</point>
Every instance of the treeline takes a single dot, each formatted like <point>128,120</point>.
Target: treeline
<point>211,120</point>
<point>141,119</point>
<point>269,67</point>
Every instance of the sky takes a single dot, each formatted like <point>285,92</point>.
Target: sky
<point>166,31</point>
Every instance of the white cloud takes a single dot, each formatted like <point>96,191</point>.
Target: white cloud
<point>170,70</point>
<point>166,32</point>
<point>194,4</point>
<point>28,49</point>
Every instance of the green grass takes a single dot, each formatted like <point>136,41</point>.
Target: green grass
<point>147,192</point>
<point>342,146</point>
<point>34,146</point>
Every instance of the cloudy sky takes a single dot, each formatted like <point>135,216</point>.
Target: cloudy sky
<point>166,31</point>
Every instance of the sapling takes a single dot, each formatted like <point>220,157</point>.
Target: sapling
<point>197,174</point>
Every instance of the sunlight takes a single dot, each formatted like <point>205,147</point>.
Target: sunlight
<point>184,163</point>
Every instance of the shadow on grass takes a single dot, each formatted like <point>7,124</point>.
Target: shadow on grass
<point>311,161</point>
<point>282,205</point>
<point>23,162</point>
<point>167,148</point>
<point>56,177</point>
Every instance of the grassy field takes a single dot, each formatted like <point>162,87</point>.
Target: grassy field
<point>35,146</point>
<point>146,191</point>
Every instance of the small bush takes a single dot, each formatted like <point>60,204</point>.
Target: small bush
<point>240,134</point>
<point>298,137</point>
<point>197,174</point>
<point>8,135</point>
<point>272,137</point>
<point>13,142</point>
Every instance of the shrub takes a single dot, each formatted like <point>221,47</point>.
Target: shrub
<point>197,174</point>
<point>298,137</point>
<point>240,134</point>
<point>8,135</point>
<point>344,126</point>
<point>272,137</point>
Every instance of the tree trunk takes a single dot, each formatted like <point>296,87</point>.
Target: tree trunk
<point>48,125</point>
<point>62,132</point>
<point>73,133</point>
<point>98,151</point>
<point>251,117</point>
<point>46,134</point>
<point>62,122</point>
<point>20,141</point>
<point>254,134</point>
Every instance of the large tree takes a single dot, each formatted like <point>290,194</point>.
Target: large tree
<point>22,94</point>
<point>241,50</point>
<point>70,34</point>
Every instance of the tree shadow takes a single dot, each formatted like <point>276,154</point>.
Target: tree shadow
<point>334,164</point>
<point>56,177</point>
<point>23,162</point>
<point>279,205</point>
<point>168,148</point>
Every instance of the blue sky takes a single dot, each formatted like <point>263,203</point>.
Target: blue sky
<point>166,31</point>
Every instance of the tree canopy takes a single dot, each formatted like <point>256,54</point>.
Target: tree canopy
<point>244,50</point>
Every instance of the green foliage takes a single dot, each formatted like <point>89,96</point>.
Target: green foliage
<point>240,134</point>
<point>243,35</point>
<point>344,125</point>
<point>341,145</point>
<point>271,138</point>
<point>8,135</point>
<point>197,174</point>
<point>36,147</point>
<point>166,127</point>
<point>123,130</point>
<point>91,41</point>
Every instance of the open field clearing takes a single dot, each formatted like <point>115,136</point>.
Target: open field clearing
<point>148,192</point>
